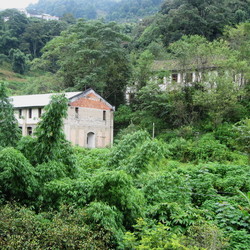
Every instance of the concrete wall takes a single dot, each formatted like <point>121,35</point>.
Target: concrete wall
<point>25,121</point>
<point>84,124</point>
<point>85,127</point>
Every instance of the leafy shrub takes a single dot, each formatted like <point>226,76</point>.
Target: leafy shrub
<point>239,239</point>
<point>124,147</point>
<point>3,59</point>
<point>66,191</point>
<point>9,131</point>
<point>206,236</point>
<point>187,132</point>
<point>101,215</point>
<point>150,152</point>
<point>213,181</point>
<point>123,116</point>
<point>209,149</point>
<point>17,176</point>
<point>168,135</point>
<point>115,188</point>
<point>64,154</point>
<point>177,217</point>
<point>153,237</point>
<point>231,178</point>
<point>167,187</point>
<point>181,149</point>
<point>21,228</point>
<point>136,152</point>
<point>204,149</point>
<point>242,130</point>
<point>230,218</point>
<point>225,134</point>
<point>26,145</point>
<point>202,182</point>
<point>50,171</point>
<point>91,159</point>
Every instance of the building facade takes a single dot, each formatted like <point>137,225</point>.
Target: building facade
<point>89,122</point>
<point>170,76</point>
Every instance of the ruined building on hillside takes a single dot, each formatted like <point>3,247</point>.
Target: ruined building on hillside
<point>171,74</point>
<point>89,122</point>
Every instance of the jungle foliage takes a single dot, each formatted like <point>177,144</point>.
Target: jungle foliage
<point>136,195</point>
<point>178,175</point>
<point>22,38</point>
<point>111,10</point>
<point>89,54</point>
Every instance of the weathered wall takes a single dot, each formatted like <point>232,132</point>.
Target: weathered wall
<point>80,123</point>
<point>76,126</point>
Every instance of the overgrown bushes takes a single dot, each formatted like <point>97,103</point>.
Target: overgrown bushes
<point>132,196</point>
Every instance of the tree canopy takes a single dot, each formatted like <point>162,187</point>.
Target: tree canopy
<point>109,9</point>
<point>90,54</point>
<point>9,131</point>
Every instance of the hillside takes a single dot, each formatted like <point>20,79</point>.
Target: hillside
<point>178,173</point>
<point>111,10</point>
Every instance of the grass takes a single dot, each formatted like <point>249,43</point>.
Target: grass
<point>8,75</point>
<point>33,82</point>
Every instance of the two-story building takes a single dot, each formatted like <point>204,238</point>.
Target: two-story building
<point>89,122</point>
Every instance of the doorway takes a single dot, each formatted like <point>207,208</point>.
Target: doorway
<point>91,140</point>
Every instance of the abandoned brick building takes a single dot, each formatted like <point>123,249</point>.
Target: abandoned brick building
<point>89,122</point>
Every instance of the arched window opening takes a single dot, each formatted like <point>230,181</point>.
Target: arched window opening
<point>91,140</point>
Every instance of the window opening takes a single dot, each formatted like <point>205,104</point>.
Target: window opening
<point>39,112</point>
<point>91,140</point>
<point>30,113</point>
<point>189,77</point>
<point>20,113</point>
<point>104,115</point>
<point>174,77</point>
<point>29,130</point>
<point>76,112</point>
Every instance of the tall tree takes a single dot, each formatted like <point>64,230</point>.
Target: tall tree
<point>9,131</point>
<point>206,18</point>
<point>90,54</point>
<point>18,60</point>
<point>37,33</point>
<point>49,133</point>
<point>143,67</point>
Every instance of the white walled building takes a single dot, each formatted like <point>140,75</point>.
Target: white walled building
<point>173,76</point>
<point>89,122</point>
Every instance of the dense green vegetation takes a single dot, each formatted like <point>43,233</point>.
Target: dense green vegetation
<point>178,175</point>
<point>136,195</point>
<point>89,55</point>
<point>111,10</point>
<point>191,17</point>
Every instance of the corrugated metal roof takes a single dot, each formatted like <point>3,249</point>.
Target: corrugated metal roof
<point>40,100</point>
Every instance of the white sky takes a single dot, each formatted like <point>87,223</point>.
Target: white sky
<point>19,4</point>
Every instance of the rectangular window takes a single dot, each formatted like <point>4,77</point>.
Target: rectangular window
<point>30,113</point>
<point>39,112</point>
<point>104,115</point>
<point>20,114</point>
<point>29,130</point>
<point>76,112</point>
<point>189,77</point>
<point>174,77</point>
<point>131,97</point>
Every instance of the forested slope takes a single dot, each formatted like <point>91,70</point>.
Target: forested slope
<point>177,176</point>
<point>109,9</point>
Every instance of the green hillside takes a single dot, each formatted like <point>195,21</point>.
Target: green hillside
<point>178,173</point>
<point>115,10</point>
